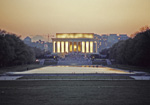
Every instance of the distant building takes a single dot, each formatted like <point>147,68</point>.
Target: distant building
<point>46,46</point>
<point>27,40</point>
<point>112,39</point>
<point>123,37</point>
<point>50,46</point>
<point>39,44</point>
<point>98,39</point>
<point>104,39</point>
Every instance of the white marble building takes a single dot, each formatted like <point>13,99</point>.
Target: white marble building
<point>74,42</point>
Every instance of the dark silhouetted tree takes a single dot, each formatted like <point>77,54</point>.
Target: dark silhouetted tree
<point>135,51</point>
<point>13,51</point>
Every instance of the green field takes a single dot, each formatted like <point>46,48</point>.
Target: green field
<point>74,92</point>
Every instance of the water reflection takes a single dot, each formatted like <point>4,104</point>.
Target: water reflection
<point>92,66</point>
<point>95,67</point>
<point>69,69</point>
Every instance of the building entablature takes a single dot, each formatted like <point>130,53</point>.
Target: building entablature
<point>73,39</point>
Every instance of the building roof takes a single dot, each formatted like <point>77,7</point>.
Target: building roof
<point>74,35</point>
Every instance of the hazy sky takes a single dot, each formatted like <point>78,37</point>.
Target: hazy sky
<point>32,17</point>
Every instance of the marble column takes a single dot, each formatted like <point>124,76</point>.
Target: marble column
<point>54,47</point>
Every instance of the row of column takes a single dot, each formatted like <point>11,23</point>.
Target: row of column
<point>66,47</point>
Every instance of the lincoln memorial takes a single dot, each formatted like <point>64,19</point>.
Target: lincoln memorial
<point>74,42</point>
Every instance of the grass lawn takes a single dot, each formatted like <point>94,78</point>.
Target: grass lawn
<point>19,68</point>
<point>74,92</point>
<point>76,77</point>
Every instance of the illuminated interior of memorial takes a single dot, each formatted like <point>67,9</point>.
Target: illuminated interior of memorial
<point>74,42</point>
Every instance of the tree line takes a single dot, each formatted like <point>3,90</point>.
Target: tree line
<point>13,51</point>
<point>133,51</point>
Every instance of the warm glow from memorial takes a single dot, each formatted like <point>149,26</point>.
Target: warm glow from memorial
<point>58,47</point>
<point>75,48</point>
<point>74,35</point>
<point>83,47</point>
<point>79,46</point>
<point>66,46</point>
<point>70,47</point>
<point>91,47</point>
<point>87,47</point>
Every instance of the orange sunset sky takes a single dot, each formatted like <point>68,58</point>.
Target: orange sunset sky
<point>42,17</point>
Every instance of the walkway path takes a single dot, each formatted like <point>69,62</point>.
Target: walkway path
<point>9,77</point>
<point>141,77</point>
